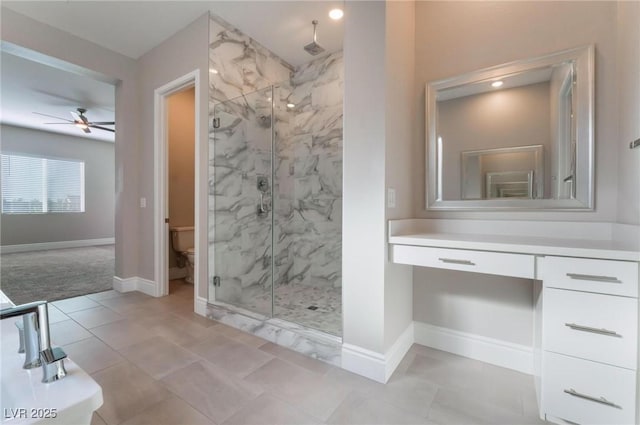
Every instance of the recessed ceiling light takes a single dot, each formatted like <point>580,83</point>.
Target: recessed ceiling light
<point>290,105</point>
<point>213,70</point>
<point>336,14</point>
<point>497,84</point>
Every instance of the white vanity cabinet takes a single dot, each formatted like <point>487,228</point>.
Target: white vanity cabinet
<point>589,340</point>
<point>586,278</point>
<point>498,263</point>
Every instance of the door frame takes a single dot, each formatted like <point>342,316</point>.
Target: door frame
<point>161,183</point>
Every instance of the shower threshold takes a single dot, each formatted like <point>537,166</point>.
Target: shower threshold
<point>310,342</point>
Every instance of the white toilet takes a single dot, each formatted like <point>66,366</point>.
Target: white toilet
<point>182,241</point>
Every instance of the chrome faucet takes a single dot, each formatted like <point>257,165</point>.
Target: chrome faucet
<point>35,340</point>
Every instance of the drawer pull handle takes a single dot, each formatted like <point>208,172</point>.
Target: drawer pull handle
<point>594,278</point>
<point>600,400</point>
<point>592,330</point>
<point>454,261</point>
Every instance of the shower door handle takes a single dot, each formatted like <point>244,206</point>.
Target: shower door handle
<point>263,209</point>
<point>263,188</point>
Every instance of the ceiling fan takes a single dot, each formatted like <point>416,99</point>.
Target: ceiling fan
<point>81,121</point>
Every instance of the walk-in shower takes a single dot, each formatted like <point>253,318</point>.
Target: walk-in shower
<point>276,200</point>
<point>275,183</point>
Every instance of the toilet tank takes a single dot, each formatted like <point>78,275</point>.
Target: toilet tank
<point>182,238</point>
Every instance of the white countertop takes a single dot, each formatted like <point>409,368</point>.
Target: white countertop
<point>427,233</point>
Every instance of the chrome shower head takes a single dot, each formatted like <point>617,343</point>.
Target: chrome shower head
<point>314,48</point>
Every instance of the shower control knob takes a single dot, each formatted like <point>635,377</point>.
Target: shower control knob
<point>263,184</point>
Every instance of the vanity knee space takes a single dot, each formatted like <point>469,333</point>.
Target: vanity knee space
<point>585,333</point>
<point>589,323</point>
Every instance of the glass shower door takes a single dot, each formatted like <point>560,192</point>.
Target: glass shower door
<point>241,254</point>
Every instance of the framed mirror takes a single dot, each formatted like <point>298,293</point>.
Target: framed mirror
<point>513,136</point>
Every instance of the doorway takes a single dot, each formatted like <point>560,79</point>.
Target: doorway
<point>58,178</point>
<point>181,189</point>
<point>177,153</point>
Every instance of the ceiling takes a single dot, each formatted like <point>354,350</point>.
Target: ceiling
<point>284,27</point>
<point>525,78</point>
<point>29,87</point>
<point>132,28</point>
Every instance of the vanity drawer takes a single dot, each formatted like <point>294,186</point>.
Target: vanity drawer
<point>582,274</point>
<point>596,327</point>
<point>586,392</point>
<point>517,265</point>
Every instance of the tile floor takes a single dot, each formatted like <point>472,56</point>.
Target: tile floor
<point>159,363</point>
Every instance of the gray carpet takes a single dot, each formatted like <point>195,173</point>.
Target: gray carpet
<point>56,274</point>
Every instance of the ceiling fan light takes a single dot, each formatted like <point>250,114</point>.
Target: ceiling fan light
<point>81,125</point>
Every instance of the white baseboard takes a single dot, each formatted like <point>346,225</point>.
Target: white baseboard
<point>500,353</point>
<point>201,306</point>
<point>135,284</point>
<point>146,286</point>
<point>124,285</point>
<point>364,362</point>
<point>8,249</point>
<point>398,350</point>
<point>177,273</point>
<point>149,287</point>
<point>377,366</point>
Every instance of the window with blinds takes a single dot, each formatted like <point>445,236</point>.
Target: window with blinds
<point>34,185</point>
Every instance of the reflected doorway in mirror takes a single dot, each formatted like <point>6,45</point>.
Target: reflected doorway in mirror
<point>510,184</point>
<point>515,172</point>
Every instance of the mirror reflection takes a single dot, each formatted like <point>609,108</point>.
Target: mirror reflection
<point>516,172</point>
<point>512,133</point>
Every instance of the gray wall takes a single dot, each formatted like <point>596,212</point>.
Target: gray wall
<point>97,220</point>
<point>453,38</point>
<point>629,107</point>
<point>184,52</point>
<point>399,134</point>
<point>497,119</point>
<point>363,213</point>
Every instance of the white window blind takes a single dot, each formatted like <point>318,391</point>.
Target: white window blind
<point>33,185</point>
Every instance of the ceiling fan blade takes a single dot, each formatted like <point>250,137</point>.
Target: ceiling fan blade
<point>85,129</point>
<point>102,123</point>
<point>102,128</point>
<point>52,116</point>
<point>76,117</point>
<point>64,123</point>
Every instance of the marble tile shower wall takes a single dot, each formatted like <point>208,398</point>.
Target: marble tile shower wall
<point>313,227</point>
<point>242,241</point>
<point>241,75</point>
<point>307,189</point>
<point>242,64</point>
